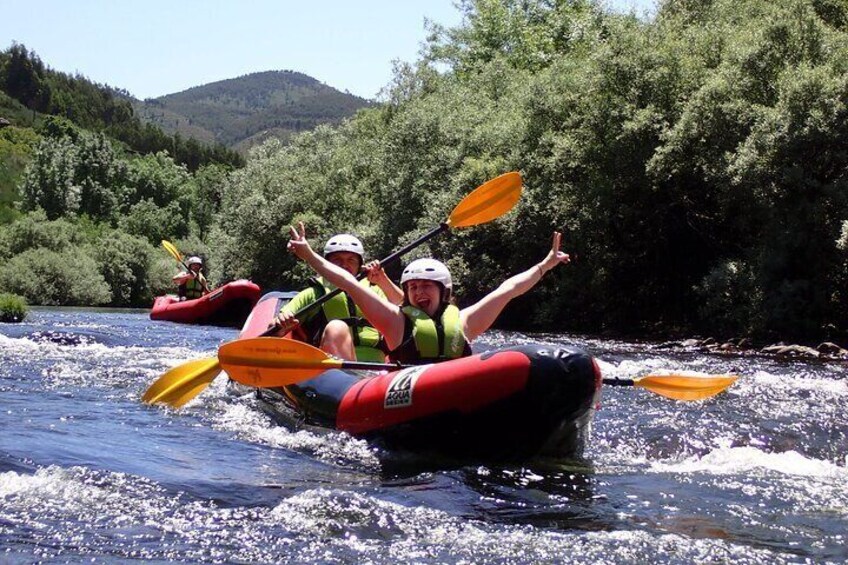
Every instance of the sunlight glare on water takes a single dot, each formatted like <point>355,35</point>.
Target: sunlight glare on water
<point>753,475</point>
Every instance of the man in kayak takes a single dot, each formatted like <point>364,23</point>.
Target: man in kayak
<point>338,326</point>
<point>191,284</point>
<point>426,326</point>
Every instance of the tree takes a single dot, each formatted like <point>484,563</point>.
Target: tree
<point>24,78</point>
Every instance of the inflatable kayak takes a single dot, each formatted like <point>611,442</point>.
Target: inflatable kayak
<point>506,405</point>
<point>228,305</point>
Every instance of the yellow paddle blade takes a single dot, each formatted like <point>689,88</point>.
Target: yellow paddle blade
<point>272,362</point>
<point>488,201</point>
<point>685,387</point>
<point>171,248</point>
<point>183,382</point>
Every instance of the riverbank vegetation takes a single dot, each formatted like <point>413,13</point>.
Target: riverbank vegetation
<point>13,308</point>
<point>695,161</point>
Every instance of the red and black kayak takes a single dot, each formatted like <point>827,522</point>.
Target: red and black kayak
<point>228,305</point>
<point>506,405</point>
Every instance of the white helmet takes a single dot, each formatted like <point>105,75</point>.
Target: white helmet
<point>428,270</point>
<point>345,242</point>
<point>194,261</point>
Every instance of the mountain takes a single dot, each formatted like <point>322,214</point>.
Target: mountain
<point>244,111</point>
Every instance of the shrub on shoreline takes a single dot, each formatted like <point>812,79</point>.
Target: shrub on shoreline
<point>13,308</point>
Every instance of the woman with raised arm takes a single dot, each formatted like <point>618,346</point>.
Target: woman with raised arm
<point>427,327</point>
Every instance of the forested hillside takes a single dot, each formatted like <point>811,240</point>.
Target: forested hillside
<point>247,110</point>
<point>695,161</point>
<point>87,191</point>
<point>26,79</point>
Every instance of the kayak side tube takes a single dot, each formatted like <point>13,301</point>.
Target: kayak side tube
<point>509,404</point>
<point>506,405</point>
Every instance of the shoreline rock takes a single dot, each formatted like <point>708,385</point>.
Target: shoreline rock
<point>744,345</point>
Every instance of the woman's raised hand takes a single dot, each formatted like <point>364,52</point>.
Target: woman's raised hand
<point>555,256</point>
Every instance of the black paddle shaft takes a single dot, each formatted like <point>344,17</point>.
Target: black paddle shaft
<point>619,382</point>
<point>388,260</point>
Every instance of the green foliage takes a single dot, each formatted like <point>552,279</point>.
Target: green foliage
<point>156,178</point>
<point>159,283</point>
<point>529,35</point>
<point>697,158</point>
<point>264,198</point>
<point>16,113</point>
<point>33,231</point>
<point>696,163</point>
<point>24,77</point>
<point>66,278</point>
<point>154,223</point>
<point>13,308</point>
<point>74,175</point>
<point>77,173</point>
<point>730,297</point>
<point>16,148</point>
<point>120,268</point>
<point>207,192</point>
<point>124,262</point>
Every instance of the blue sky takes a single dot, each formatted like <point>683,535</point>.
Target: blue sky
<point>159,47</point>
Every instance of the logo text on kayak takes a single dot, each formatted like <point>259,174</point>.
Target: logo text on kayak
<point>399,392</point>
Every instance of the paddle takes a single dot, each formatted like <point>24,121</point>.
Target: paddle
<point>485,203</point>
<point>175,253</point>
<point>268,362</point>
<point>271,362</point>
<point>679,386</point>
<point>182,383</point>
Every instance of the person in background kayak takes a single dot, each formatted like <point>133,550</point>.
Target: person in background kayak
<point>339,327</point>
<point>191,284</point>
<point>427,327</point>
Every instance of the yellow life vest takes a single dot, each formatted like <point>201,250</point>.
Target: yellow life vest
<point>366,339</point>
<point>428,340</point>
<point>192,288</point>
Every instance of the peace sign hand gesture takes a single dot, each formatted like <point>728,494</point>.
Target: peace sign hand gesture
<point>555,256</point>
<point>298,244</point>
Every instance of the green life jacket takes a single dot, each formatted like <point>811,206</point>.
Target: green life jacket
<point>192,288</point>
<point>428,340</point>
<point>367,341</point>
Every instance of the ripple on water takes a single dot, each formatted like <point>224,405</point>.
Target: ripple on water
<point>77,512</point>
<point>69,366</point>
<point>753,475</point>
<point>250,424</point>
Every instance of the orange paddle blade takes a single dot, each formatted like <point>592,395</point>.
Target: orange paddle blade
<point>273,362</point>
<point>488,201</point>
<point>685,387</point>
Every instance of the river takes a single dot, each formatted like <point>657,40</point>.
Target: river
<point>87,473</point>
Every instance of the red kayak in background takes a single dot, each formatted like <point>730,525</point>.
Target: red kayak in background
<point>228,305</point>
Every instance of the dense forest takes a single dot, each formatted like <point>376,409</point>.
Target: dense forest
<point>244,111</point>
<point>696,162</point>
<point>87,191</point>
<point>25,78</point>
